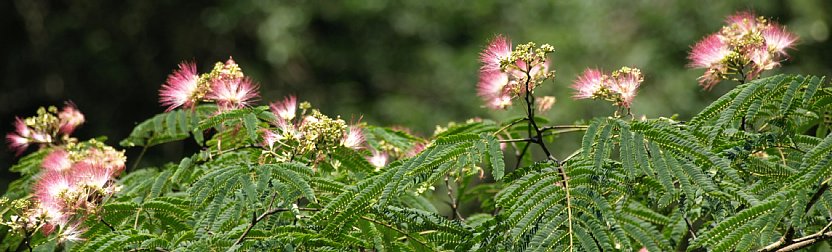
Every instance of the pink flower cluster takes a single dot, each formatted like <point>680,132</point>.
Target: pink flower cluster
<point>48,127</point>
<point>290,124</point>
<point>619,87</point>
<point>301,133</point>
<point>225,85</point>
<point>746,46</point>
<point>502,74</point>
<point>75,181</point>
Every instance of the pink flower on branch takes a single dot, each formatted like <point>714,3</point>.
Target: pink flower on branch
<point>19,140</point>
<point>353,138</point>
<point>741,50</point>
<point>625,82</point>
<point>743,21</point>
<point>545,103</point>
<point>70,118</point>
<point>285,109</point>
<point>493,89</point>
<point>497,50</point>
<point>619,87</point>
<point>589,84</point>
<point>181,88</point>
<point>778,39</point>
<point>709,52</point>
<point>378,159</point>
<point>507,73</point>
<point>234,93</point>
<point>57,161</point>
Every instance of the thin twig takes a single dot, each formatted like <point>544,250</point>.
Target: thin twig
<point>107,224</point>
<point>454,208</point>
<point>138,159</point>
<point>520,155</point>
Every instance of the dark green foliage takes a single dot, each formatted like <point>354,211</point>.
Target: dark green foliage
<point>736,177</point>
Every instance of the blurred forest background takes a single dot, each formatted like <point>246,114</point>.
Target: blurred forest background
<point>407,62</point>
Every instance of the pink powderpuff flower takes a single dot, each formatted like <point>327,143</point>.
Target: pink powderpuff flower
<point>51,213</point>
<point>709,52</point>
<point>625,83</point>
<point>72,232</point>
<point>353,138</point>
<point>70,118</point>
<point>544,103</point>
<point>108,158</point>
<point>269,138</point>
<point>91,176</point>
<point>19,140</point>
<point>51,186</point>
<point>778,39</point>
<point>744,21</point>
<point>57,161</point>
<point>378,159</point>
<point>589,84</point>
<point>285,109</point>
<point>762,59</point>
<point>498,49</point>
<point>493,89</point>
<point>233,93</point>
<point>181,88</point>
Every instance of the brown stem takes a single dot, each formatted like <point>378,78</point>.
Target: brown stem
<point>786,243</point>
<point>454,208</point>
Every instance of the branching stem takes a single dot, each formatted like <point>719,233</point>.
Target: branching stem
<point>535,135</point>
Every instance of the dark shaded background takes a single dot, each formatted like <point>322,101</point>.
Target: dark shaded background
<point>409,62</point>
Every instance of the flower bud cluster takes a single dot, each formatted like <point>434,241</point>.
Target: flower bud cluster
<point>506,73</point>
<point>48,127</point>
<point>226,85</point>
<point>741,50</point>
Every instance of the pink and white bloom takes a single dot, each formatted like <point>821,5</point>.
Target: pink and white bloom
<point>493,89</point>
<point>778,39</point>
<point>51,186</point>
<point>744,21</point>
<point>544,103</point>
<point>743,49</point>
<point>625,82</point>
<point>70,118</point>
<point>234,93</point>
<point>353,138</point>
<point>285,109</point>
<point>19,140</point>
<point>589,84</point>
<point>57,161</point>
<point>378,159</point>
<point>92,176</point>
<point>181,88</point>
<point>762,59</point>
<point>709,52</point>
<point>108,158</point>
<point>497,50</point>
<point>71,232</point>
<point>269,138</point>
